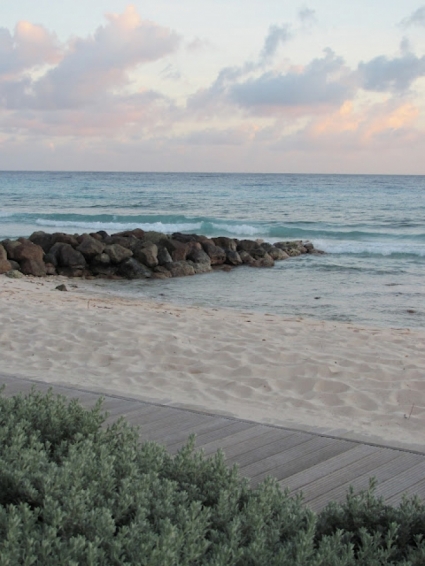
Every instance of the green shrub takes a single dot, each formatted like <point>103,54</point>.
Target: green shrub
<point>75,493</point>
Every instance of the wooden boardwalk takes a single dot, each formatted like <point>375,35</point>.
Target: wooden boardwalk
<point>320,466</point>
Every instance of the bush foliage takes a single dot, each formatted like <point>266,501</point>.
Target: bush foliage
<point>77,493</point>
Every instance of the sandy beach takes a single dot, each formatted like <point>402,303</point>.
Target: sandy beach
<point>362,382</point>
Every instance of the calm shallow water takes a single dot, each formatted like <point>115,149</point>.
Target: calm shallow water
<point>372,228</point>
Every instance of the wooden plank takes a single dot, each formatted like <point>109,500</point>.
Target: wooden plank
<point>418,490</point>
<point>400,482</point>
<point>334,487</point>
<point>222,432</point>
<point>244,441</point>
<point>161,433</point>
<point>265,459</point>
<point>305,477</point>
<point>210,427</point>
<point>151,417</point>
<point>208,424</point>
<point>304,461</point>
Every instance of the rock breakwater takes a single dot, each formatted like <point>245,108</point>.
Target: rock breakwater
<point>136,254</point>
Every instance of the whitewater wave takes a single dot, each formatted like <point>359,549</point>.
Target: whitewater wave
<point>237,230</point>
<point>94,226</point>
<point>371,248</point>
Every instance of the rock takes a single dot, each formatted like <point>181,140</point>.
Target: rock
<point>33,267</point>
<point>42,239</point>
<point>28,250</point>
<point>117,253</point>
<point>104,270</point>
<point>164,256</point>
<point>66,256</point>
<point>60,237</point>
<point>137,233</point>
<point>50,269</point>
<point>216,254</point>
<point>198,256</point>
<point>90,247</point>
<point>277,254</point>
<point>129,242</point>
<point>14,274</point>
<point>97,236</point>
<point>233,258</point>
<point>3,253</point>
<point>133,269</point>
<point>177,250</point>
<point>185,238</point>
<point>30,257</point>
<point>180,268</point>
<point>265,261</point>
<point>73,271</point>
<point>15,264</point>
<point>161,272</point>
<point>147,254</point>
<point>5,265</point>
<point>52,257</point>
<point>61,287</point>
<point>157,238</point>
<point>258,253</point>
<point>293,248</point>
<point>200,267</point>
<point>11,246</point>
<point>225,243</point>
<point>246,258</point>
<point>247,245</point>
<point>102,259</point>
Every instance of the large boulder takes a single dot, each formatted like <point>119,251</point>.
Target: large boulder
<point>180,268</point>
<point>5,265</point>
<point>292,248</point>
<point>177,250</point>
<point>60,237</point>
<point>129,242</point>
<point>225,243</point>
<point>153,237</point>
<point>216,254</point>
<point>147,254</point>
<point>276,253</point>
<point>29,256</point>
<point>265,261</point>
<point>247,245</point>
<point>90,247</point>
<point>202,267</point>
<point>161,272</point>
<point>10,246</point>
<point>137,233</point>
<point>246,258</point>
<point>64,255</point>
<point>42,239</point>
<point>133,269</point>
<point>197,255</point>
<point>33,267</point>
<point>185,238</point>
<point>117,253</point>
<point>164,256</point>
<point>233,258</point>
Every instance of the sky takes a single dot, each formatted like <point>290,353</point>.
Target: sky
<point>213,85</point>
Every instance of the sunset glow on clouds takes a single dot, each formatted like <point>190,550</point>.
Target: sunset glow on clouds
<point>137,93</point>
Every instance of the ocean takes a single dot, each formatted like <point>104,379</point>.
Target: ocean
<point>371,227</point>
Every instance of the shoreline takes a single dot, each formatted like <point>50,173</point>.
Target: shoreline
<point>293,372</point>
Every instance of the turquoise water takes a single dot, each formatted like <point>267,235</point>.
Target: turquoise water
<point>372,228</point>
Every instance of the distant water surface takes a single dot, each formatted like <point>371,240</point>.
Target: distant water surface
<point>372,228</point>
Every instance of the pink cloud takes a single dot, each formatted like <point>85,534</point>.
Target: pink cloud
<point>29,46</point>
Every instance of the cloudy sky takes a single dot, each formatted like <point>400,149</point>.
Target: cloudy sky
<point>213,85</point>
